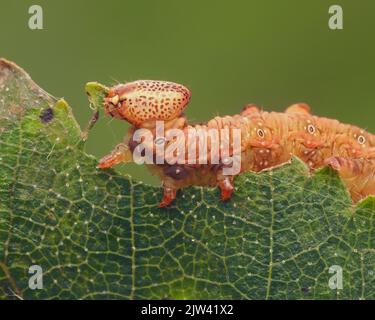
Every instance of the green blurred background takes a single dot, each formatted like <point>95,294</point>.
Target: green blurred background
<point>229,53</point>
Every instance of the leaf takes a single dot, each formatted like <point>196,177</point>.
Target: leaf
<point>97,234</point>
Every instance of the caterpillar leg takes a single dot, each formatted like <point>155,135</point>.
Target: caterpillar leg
<point>298,108</point>
<point>226,186</point>
<point>121,153</point>
<point>249,109</point>
<point>358,175</point>
<point>169,194</point>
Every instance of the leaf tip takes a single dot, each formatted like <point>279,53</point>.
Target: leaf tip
<point>62,104</point>
<point>327,171</point>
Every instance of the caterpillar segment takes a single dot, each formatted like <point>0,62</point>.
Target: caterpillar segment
<point>268,139</point>
<point>357,174</point>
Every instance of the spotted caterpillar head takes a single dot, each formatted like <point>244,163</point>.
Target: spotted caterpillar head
<point>145,100</point>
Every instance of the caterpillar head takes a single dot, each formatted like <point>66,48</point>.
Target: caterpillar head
<point>146,100</point>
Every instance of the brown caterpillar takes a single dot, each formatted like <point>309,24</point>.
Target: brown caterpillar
<point>268,139</point>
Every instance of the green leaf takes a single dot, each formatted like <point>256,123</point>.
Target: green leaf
<point>97,234</point>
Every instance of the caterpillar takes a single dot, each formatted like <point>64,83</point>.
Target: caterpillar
<point>267,140</point>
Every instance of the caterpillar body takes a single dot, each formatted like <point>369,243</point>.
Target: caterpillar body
<point>268,139</point>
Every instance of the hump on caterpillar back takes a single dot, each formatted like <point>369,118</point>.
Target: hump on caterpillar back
<point>145,100</point>
<point>298,108</point>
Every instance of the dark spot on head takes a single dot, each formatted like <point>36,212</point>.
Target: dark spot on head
<point>46,115</point>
